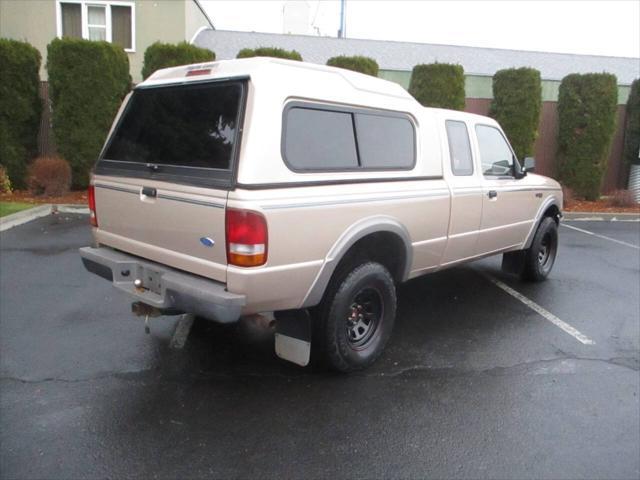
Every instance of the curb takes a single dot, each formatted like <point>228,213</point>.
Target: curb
<point>601,217</point>
<point>43,210</point>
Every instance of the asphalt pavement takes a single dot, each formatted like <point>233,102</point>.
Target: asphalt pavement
<point>475,382</point>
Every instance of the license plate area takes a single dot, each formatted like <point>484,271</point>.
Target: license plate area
<point>151,280</point>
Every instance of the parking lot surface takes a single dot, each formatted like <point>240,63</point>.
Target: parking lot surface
<point>475,382</point>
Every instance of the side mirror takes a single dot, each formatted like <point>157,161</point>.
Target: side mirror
<point>529,164</point>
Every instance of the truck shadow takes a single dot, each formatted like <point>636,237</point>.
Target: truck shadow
<point>442,319</point>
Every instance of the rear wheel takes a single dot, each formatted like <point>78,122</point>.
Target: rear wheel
<point>356,317</point>
<point>541,256</point>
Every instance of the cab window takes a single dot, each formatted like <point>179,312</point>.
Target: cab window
<point>459,148</point>
<point>495,154</point>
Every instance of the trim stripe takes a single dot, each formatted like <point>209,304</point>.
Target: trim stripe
<point>321,183</point>
<point>189,200</point>
<point>161,195</point>
<point>117,189</point>
<point>438,193</point>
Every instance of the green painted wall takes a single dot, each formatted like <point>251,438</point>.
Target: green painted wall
<point>33,21</point>
<point>164,20</point>
<point>478,86</point>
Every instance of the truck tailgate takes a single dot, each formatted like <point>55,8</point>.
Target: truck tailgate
<point>164,223</point>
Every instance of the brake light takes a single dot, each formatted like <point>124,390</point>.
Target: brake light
<point>247,238</point>
<point>91,194</point>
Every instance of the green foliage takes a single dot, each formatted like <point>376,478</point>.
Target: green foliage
<point>517,98</point>
<point>163,55</point>
<point>632,132</point>
<point>439,85</point>
<point>269,52</point>
<point>586,123</point>
<point>20,107</point>
<point>356,63</point>
<point>88,81</point>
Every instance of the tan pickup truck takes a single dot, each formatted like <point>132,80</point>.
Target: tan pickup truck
<point>304,193</point>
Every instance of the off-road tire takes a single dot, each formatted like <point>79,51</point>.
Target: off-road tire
<point>343,344</point>
<point>540,257</point>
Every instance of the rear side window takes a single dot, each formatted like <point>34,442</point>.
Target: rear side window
<point>177,129</point>
<point>319,139</point>
<point>459,148</point>
<point>385,142</point>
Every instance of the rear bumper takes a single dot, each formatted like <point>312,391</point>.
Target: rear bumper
<point>163,287</point>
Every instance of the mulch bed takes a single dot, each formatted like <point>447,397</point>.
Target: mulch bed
<point>600,206</point>
<point>24,196</point>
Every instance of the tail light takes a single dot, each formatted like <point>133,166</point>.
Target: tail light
<point>247,238</point>
<point>91,194</point>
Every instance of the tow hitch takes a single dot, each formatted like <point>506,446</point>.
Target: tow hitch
<point>140,309</point>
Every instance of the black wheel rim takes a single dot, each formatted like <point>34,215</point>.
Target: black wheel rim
<point>363,317</point>
<point>546,252</point>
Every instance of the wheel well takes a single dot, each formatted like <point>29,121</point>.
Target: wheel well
<point>554,212</point>
<point>385,248</point>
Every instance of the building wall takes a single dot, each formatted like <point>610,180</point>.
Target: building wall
<point>33,21</point>
<point>157,20</point>
<point>194,20</point>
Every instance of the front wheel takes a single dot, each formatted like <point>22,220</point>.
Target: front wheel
<point>540,257</point>
<point>357,317</point>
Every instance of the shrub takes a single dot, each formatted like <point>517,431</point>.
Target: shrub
<point>269,52</point>
<point>439,85</point>
<point>20,107</point>
<point>162,55</point>
<point>49,176</point>
<point>632,132</point>
<point>517,98</point>
<point>586,122</point>
<point>356,63</point>
<point>5,183</point>
<point>622,198</point>
<point>88,81</point>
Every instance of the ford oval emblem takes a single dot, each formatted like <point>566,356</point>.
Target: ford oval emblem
<point>207,242</point>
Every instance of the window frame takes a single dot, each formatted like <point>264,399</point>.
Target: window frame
<point>84,18</point>
<point>328,107</point>
<point>224,179</point>
<point>516,163</point>
<point>471,153</point>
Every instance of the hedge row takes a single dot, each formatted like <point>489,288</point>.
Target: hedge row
<point>586,123</point>
<point>88,81</point>
<point>517,98</point>
<point>163,55</point>
<point>439,85</point>
<point>269,52</point>
<point>632,132</point>
<point>356,63</point>
<point>20,107</point>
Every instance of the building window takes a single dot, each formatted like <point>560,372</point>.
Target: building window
<point>112,21</point>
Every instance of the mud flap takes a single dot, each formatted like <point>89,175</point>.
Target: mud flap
<point>293,336</point>
<point>513,262</point>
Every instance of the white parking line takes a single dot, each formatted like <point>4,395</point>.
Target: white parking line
<point>587,232</point>
<point>540,310</point>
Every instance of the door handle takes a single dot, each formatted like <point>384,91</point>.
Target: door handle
<point>149,192</point>
<point>492,194</point>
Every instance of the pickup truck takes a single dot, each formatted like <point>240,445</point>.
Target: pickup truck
<point>303,194</point>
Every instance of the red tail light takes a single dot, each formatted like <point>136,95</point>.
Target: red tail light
<point>91,194</point>
<point>247,238</point>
